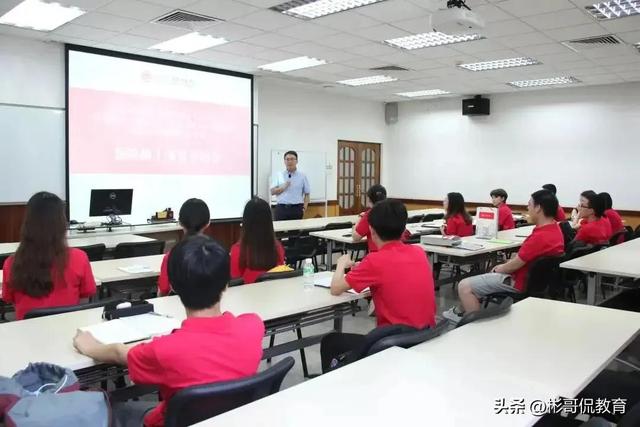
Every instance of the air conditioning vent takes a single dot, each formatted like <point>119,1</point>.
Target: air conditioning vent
<point>389,68</point>
<point>592,42</point>
<point>188,20</point>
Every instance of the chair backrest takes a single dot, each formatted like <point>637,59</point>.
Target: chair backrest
<point>567,232</point>
<point>617,237</point>
<point>130,250</point>
<point>432,217</point>
<point>338,225</point>
<point>94,252</point>
<point>236,282</point>
<point>3,258</point>
<point>415,219</point>
<point>194,404</point>
<point>49,311</point>
<point>404,340</point>
<point>543,274</point>
<point>636,232</point>
<point>278,275</point>
<point>381,332</point>
<point>493,310</point>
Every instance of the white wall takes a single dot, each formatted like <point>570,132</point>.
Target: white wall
<point>292,117</point>
<point>577,138</point>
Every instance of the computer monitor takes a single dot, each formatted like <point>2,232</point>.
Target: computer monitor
<point>110,202</point>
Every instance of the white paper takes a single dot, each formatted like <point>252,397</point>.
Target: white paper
<point>133,328</point>
<point>133,269</point>
<point>323,279</point>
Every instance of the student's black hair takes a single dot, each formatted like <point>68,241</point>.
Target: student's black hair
<point>376,193</point>
<point>194,216</point>
<point>595,202</point>
<point>547,201</point>
<point>499,192</point>
<point>608,201</point>
<point>389,219</point>
<point>290,152</point>
<point>258,245</point>
<point>198,269</point>
<point>551,188</point>
<point>456,206</point>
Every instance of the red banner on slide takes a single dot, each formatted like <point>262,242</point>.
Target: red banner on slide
<point>119,133</point>
<point>486,215</point>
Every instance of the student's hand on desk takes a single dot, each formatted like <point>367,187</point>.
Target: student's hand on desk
<point>84,342</point>
<point>497,269</point>
<point>345,262</point>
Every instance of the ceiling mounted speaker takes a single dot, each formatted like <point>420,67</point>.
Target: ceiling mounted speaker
<point>391,113</point>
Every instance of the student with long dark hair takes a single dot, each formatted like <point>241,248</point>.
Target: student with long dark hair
<point>257,251</point>
<point>614,217</point>
<point>45,272</point>
<point>560,215</point>
<point>375,194</point>
<point>457,221</point>
<point>194,217</point>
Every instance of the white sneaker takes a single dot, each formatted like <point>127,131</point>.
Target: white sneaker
<point>453,315</point>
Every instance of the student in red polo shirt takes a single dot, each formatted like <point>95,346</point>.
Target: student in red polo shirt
<point>210,346</point>
<point>560,215</point>
<point>376,193</point>
<point>545,240</point>
<point>614,217</point>
<point>194,217</point>
<point>398,275</point>
<point>44,272</point>
<point>505,216</point>
<point>257,251</point>
<point>595,228</point>
<point>457,221</point>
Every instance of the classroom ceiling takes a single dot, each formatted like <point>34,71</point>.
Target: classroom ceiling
<point>352,42</point>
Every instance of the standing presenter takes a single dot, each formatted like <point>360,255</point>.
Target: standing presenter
<point>291,188</point>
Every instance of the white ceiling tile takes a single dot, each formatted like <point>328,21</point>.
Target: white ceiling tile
<point>609,52</point>
<point>577,65</point>
<point>335,69</point>
<point>71,40</point>
<point>617,60</point>
<point>414,26</point>
<point>21,32</point>
<point>171,3</point>
<point>558,19</point>
<point>87,33</point>
<point>477,46</point>
<point>576,32</point>
<point>231,31</point>
<point>158,31</point>
<point>528,39</point>
<point>379,32</point>
<point>135,9</point>
<point>436,52</point>
<point>399,58</point>
<point>273,55</point>
<point>535,7</point>
<point>342,41</point>
<point>630,76</point>
<point>496,54</point>
<point>428,64</point>
<point>620,68</point>
<point>348,20</point>
<point>307,31</point>
<point>506,28</point>
<point>318,51</point>
<point>85,5</point>
<point>222,9</point>
<point>557,58</point>
<point>267,20</point>
<point>239,48</point>
<point>133,41</point>
<point>376,49</point>
<point>602,79</point>
<point>271,40</point>
<point>491,13</point>
<point>362,63</point>
<point>631,23</point>
<point>393,10</point>
<point>630,37</point>
<point>542,49</point>
<point>107,22</point>
<point>263,4</point>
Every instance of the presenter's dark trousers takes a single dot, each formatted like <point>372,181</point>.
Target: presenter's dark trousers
<point>285,212</point>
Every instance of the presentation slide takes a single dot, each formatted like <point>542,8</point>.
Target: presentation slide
<point>167,132</point>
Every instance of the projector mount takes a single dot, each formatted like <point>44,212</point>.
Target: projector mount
<point>457,3</point>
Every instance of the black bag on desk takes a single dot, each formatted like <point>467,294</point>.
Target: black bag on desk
<point>133,308</point>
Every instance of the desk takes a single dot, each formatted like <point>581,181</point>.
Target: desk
<point>391,388</point>
<point>74,233</point>
<point>622,260</point>
<point>560,345</point>
<point>50,338</point>
<point>110,241</point>
<point>109,270</point>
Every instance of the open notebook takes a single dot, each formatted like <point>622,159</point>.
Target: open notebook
<point>133,328</point>
<point>323,280</point>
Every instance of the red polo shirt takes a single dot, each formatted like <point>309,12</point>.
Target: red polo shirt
<point>457,227</point>
<point>247,274</point>
<point>164,287</point>
<point>615,220</point>
<point>76,282</point>
<point>505,218</point>
<point>362,228</point>
<point>595,232</point>
<point>204,350</point>
<point>545,240</point>
<point>560,215</point>
<point>401,283</point>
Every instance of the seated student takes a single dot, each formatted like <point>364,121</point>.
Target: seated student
<point>210,346</point>
<point>398,275</point>
<point>194,218</point>
<point>257,251</point>
<point>614,217</point>
<point>44,272</point>
<point>560,216</point>
<point>457,221</point>
<point>505,216</point>
<point>545,240</point>
<point>595,228</point>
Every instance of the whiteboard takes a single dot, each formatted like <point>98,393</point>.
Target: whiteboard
<point>33,152</point>
<point>312,163</point>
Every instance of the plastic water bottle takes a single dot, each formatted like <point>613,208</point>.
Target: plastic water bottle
<point>307,274</point>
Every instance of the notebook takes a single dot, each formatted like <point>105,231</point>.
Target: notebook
<point>323,280</point>
<point>133,328</point>
<point>134,269</point>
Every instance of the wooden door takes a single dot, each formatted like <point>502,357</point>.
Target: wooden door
<point>358,169</point>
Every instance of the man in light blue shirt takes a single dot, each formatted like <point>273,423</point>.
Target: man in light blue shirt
<point>291,188</point>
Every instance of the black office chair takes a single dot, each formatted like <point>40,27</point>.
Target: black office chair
<point>236,282</point>
<point>301,248</point>
<point>568,233</point>
<point>404,339</point>
<point>432,217</point>
<point>130,250</point>
<point>494,310</point>
<point>278,275</point>
<point>50,311</point>
<point>636,233</point>
<point>194,404</point>
<point>415,219</point>
<point>94,252</point>
<point>131,289</point>
<point>629,235</point>
<point>616,236</point>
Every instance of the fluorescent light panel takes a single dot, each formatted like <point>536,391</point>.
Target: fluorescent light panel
<point>371,80</point>
<point>293,64</point>
<point>40,16</point>
<point>545,82</point>
<point>310,9</point>
<point>429,92</point>
<point>499,64</point>
<point>614,9</point>
<point>189,43</point>
<point>434,38</point>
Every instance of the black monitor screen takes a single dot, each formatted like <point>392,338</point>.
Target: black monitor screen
<point>107,202</point>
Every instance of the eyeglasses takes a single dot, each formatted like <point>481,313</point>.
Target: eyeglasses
<point>584,207</point>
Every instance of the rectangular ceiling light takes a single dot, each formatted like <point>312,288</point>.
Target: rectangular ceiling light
<point>310,9</point>
<point>40,16</point>
<point>545,82</point>
<point>371,80</point>
<point>500,63</point>
<point>430,92</point>
<point>189,43</point>
<point>293,64</point>
<point>434,38</point>
<point>614,9</point>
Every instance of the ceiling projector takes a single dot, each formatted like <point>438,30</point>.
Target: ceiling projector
<point>457,18</point>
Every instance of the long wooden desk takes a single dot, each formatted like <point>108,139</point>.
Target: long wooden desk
<point>110,241</point>
<point>74,233</point>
